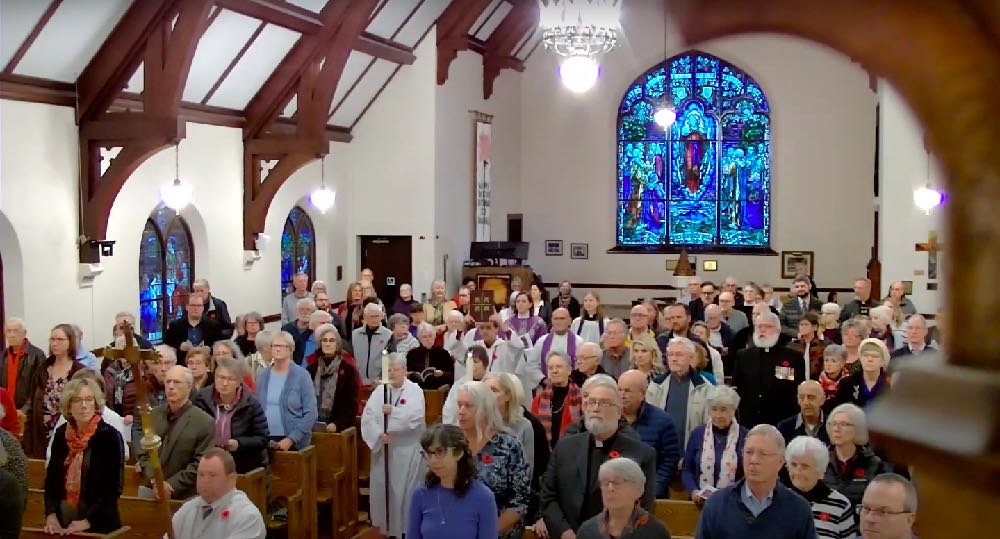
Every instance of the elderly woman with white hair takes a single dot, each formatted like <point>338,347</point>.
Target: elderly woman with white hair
<point>500,458</point>
<point>883,328</point>
<point>852,332</point>
<point>261,359</point>
<point>431,367</point>
<point>871,382</point>
<point>852,463</point>
<point>714,456</point>
<point>392,424</point>
<point>401,342</point>
<point>806,459</point>
<point>622,485</point>
<point>249,326</point>
<point>829,323</point>
<point>335,379</point>
<point>288,397</point>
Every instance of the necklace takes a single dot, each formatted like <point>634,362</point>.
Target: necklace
<point>444,514</point>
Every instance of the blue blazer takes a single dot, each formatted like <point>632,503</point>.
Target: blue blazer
<point>298,403</point>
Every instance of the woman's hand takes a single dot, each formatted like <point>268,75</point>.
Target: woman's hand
<point>52,524</point>
<point>232,445</point>
<point>387,409</point>
<point>77,526</point>
<point>540,530</point>
<point>331,427</point>
<point>285,444</point>
<point>127,420</point>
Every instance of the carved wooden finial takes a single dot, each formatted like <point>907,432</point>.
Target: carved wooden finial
<point>683,268</point>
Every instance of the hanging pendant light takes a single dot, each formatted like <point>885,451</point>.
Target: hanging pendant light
<point>176,194</point>
<point>323,198</point>
<point>579,73</point>
<point>665,113</point>
<point>927,198</point>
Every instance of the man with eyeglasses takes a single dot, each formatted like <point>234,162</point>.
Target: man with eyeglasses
<point>570,490</point>
<point>889,508</point>
<point>758,505</point>
<point>588,357</point>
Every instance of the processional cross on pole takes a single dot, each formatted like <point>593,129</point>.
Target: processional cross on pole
<point>151,442</point>
<point>932,248</point>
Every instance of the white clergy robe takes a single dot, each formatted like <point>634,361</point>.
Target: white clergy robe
<point>232,516</point>
<point>504,356</point>
<point>588,330</point>
<point>406,466</point>
<point>553,343</point>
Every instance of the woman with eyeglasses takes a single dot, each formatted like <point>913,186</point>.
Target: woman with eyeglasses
<point>622,486</point>
<point>288,397</point>
<point>852,463</point>
<point>84,476</point>
<point>49,381</point>
<point>714,456</point>
<point>452,503</point>
<point>335,380</point>
<point>240,423</point>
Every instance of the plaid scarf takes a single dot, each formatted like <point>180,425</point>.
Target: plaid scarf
<point>831,386</point>
<point>638,519</point>
<point>571,410</point>
<point>77,442</point>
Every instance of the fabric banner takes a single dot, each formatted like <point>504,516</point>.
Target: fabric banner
<point>484,162</point>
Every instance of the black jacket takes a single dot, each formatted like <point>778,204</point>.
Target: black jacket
<point>12,505</point>
<point>345,400</point>
<point>298,356</point>
<point>177,333</point>
<point>248,427</point>
<point>421,358</point>
<point>764,396</point>
<point>574,306</point>
<point>793,427</point>
<point>100,480</point>
<point>31,363</point>
<point>849,390</point>
<point>862,469</point>
<point>220,315</point>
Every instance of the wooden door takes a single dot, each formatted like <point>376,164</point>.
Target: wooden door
<point>390,258</point>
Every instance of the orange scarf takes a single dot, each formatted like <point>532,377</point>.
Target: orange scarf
<point>77,442</point>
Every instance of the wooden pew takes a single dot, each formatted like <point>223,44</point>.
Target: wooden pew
<point>337,479</point>
<point>253,484</point>
<point>680,517</point>
<point>433,406</point>
<point>143,517</point>
<point>293,473</point>
<point>39,533</point>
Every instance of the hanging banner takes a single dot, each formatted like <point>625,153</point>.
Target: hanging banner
<point>484,162</point>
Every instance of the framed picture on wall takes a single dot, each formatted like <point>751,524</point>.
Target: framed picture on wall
<point>579,250</point>
<point>553,247</point>
<point>796,263</point>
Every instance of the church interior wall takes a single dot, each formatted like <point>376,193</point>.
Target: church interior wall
<point>822,160</point>
<point>904,167</point>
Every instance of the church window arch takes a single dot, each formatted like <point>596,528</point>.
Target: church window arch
<point>166,271</point>
<point>298,248</point>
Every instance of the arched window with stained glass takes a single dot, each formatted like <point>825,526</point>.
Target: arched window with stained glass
<point>298,248</point>
<point>704,182</point>
<point>166,271</point>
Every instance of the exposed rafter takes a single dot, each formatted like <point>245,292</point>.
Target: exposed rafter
<point>499,54</point>
<point>305,22</point>
<point>310,71</point>
<point>453,32</point>
<point>163,36</point>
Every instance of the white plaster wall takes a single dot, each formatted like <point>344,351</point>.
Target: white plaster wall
<point>823,140</point>
<point>455,172</point>
<point>904,167</point>
<point>39,200</point>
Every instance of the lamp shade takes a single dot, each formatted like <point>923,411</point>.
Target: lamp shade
<point>579,73</point>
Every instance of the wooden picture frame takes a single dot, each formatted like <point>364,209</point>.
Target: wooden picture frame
<point>579,251</point>
<point>671,264</point>
<point>553,248</point>
<point>710,265</point>
<point>795,262</point>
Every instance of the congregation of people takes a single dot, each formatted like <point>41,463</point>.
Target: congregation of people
<point>559,420</point>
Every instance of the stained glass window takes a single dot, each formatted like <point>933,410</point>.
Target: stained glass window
<point>166,270</point>
<point>298,248</point>
<point>704,182</point>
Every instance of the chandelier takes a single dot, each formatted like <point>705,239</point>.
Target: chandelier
<point>579,27</point>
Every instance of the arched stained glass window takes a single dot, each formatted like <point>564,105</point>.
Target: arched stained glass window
<point>705,182</point>
<point>298,248</point>
<point>166,270</point>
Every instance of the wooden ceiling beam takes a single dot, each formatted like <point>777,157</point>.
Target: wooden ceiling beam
<point>310,71</point>
<point>32,36</point>
<point>453,32</point>
<point>521,20</point>
<point>385,49</point>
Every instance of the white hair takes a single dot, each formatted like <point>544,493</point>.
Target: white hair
<point>372,308</point>
<point>424,327</point>
<point>321,332</point>
<point>306,302</point>
<point>320,316</point>
<point>454,313</point>
<point>287,337</point>
<point>883,312</point>
<point>398,318</point>
<point>807,446</point>
<point>233,348</point>
<point>770,431</point>
<point>201,282</point>
<point>485,406</point>
<point>687,343</point>
<point>263,339</point>
<point>127,316</point>
<point>723,396</point>
<point>397,360</point>
<point>166,352</point>
<point>769,316</point>
<point>603,380</point>
<point>857,417</point>
<point>830,308</point>
<point>18,322</point>
<point>624,468</point>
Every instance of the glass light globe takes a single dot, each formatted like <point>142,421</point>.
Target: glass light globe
<point>176,195</point>
<point>579,73</point>
<point>927,199</point>
<point>665,117</point>
<point>323,199</point>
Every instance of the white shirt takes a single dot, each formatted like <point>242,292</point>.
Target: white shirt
<point>110,417</point>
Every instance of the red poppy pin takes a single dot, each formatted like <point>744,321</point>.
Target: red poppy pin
<point>341,373</point>
<point>642,521</point>
<point>784,363</point>
<point>402,401</point>
<point>614,454</point>
<point>859,473</point>
<point>487,459</point>
<point>225,514</point>
<point>825,517</point>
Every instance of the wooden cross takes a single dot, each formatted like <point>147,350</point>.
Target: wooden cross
<point>151,442</point>
<point>932,247</point>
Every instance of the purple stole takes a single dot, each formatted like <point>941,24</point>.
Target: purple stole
<point>599,320</point>
<point>570,350</point>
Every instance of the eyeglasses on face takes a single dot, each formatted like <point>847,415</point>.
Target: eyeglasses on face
<point>83,400</point>
<point>599,404</point>
<point>753,453</point>
<point>612,483</point>
<point>280,346</point>
<point>841,424</point>
<point>435,453</point>
<point>880,512</point>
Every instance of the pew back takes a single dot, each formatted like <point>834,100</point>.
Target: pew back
<point>144,517</point>
<point>337,478</point>
<point>39,533</point>
<point>433,406</point>
<point>294,472</point>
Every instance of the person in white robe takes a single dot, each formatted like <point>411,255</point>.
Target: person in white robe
<point>505,352</point>
<point>560,339</point>
<point>479,358</point>
<point>452,341</point>
<point>401,445</point>
<point>591,322</point>
<point>220,510</point>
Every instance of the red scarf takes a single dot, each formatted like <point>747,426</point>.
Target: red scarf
<point>571,410</point>
<point>77,442</point>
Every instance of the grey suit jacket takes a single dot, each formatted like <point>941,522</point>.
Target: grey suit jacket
<point>183,444</point>
<point>369,358</point>
<point>791,313</point>
<point>565,482</point>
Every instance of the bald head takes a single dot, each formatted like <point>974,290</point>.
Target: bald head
<point>632,386</point>
<point>726,301</point>
<point>560,320</point>
<point>811,398</point>
<point>178,384</point>
<point>713,316</point>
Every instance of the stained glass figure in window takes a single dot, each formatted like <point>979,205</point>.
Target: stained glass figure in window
<point>166,271</point>
<point>705,181</point>
<point>298,248</point>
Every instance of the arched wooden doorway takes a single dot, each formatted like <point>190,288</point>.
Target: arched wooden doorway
<point>944,57</point>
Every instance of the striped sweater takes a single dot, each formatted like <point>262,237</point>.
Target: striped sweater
<point>832,512</point>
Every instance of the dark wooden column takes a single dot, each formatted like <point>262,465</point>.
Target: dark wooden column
<point>944,57</point>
